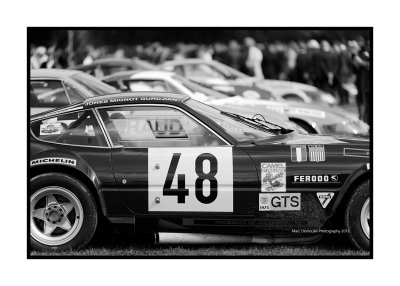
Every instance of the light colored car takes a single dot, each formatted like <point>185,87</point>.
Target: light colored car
<point>54,88</point>
<point>317,119</point>
<point>224,78</point>
<point>163,81</point>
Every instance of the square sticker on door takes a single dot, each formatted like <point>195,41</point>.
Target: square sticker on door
<point>273,177</point>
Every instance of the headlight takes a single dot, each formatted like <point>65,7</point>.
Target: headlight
<point>347,127</point>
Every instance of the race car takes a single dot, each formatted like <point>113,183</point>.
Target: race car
<point>165,163</point>
<point>54,88</point>
<point>314,119</point>
<point>224,78</point>
<point>107,66</point>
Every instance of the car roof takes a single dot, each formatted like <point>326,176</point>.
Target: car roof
<point>117,61</point>
<point>185,61</point>
<point>125,75</point>
<point>52,73</point>
<point>119,98</point>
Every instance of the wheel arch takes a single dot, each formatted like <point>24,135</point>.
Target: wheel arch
<point>75,173</point>
<point>349,188</point>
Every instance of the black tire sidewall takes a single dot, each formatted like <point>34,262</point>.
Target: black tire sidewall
<point>353,216</point>
<point>90,217</point>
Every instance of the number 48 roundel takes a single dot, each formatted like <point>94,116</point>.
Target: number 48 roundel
<point>190,179</point>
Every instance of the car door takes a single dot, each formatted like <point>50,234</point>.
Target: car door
<point>167,162</point>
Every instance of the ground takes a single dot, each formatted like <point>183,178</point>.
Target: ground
<point>121,245</point>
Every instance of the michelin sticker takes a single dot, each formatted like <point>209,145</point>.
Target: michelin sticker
<point>325,198</point>
<point>50,128</point>
<point>280,202</point>
<point>273,177</point>
<point>64,161</point>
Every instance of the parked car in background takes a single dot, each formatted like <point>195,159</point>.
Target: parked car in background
<point>318,119</point>
<point>227,79</point>
<point>53,88</point>
<point>163,81</point>
<point>107,66</point>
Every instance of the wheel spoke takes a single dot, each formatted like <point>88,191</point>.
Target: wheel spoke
<point>66,225</point>
<point>49,228</point>
<point>51,200</point>
<point>67,207</point>
<point>39,213</point>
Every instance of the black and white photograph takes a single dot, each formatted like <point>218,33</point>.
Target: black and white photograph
<point>200,142</point>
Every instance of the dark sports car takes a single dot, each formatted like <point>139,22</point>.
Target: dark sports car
<point>168,163</point>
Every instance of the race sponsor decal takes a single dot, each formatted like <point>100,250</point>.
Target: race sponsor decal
<point>307,112</point>
<point>325,198</point>
<point>190,179</point>
<point>129,99</point>
<point>52,160</point>
<point>299,153</point>
<point>298,179</point>
<point>352,152</point>
<point>316,153</point>
<point>273,177</point>
<point>50,128</point>
<point>279,202</point>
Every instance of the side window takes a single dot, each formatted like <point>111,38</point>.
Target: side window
<point>293,97</point>
<point>148,126</point>
<point>79,128</point>
<point>73,94</point>
<point>48,93</point>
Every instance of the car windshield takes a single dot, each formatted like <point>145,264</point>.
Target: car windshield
<point>93,85</point>
<point>230,73</point>
<point>194,87</point>
<point>240,128</point>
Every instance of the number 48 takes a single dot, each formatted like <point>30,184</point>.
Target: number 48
<point>181,192</point>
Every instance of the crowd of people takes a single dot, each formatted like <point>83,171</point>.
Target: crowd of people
<point>330,66</point>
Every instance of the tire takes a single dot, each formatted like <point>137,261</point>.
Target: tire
<point>63,213</point>
<point>357,217</point>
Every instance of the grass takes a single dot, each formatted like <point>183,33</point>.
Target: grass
<point>219,250</point>
<point>333,245</point>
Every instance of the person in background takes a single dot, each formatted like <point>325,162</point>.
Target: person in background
<point>361,65</point>
<point>233,56</point>
<point>254,58</point>
<point>326,65</point>
<point>344,72</point>
<point>39,58</point>
<point>291,55</point>
<point>205,52</point>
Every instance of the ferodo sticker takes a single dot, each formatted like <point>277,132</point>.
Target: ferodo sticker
<point>280,202</point>
<point>325,198</point>
<point>52,160</point>
<point>298,179</point>
<point>273,177</point>
<point>50,128</point>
